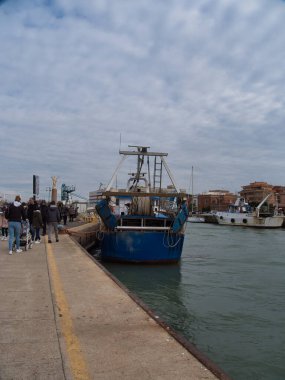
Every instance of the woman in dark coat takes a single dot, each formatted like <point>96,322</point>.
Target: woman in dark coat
<point>37,223</point>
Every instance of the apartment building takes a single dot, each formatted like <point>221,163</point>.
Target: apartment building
<point>256,191</point>
<point>280,196</point>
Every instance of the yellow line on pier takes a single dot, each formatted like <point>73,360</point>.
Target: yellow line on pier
<point>77,361</point>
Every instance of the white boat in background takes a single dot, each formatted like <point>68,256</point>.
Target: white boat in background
<point>241,214</point>
<point>195,219</point>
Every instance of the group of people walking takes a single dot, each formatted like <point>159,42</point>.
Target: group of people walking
<point>39,215</point>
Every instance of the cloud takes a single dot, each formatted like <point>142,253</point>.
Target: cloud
<point>201,80</point>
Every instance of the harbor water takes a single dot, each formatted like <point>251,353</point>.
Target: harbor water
<point>226,296</point>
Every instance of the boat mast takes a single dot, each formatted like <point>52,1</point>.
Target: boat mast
<point>169,174</point>
<point>115,173</point>
<point>192,200</point>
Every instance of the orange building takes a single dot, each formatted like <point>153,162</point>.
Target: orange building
<point>280,196</point>
<point>255,192</point>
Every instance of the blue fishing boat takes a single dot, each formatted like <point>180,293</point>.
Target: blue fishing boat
<point>144,222</point>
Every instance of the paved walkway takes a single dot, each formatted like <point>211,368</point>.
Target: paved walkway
<point>29,344</point>
<point>62,317</point>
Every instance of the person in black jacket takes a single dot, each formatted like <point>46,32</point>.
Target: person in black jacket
<point>53,218</point>
<point>64,214</point>
<point>44,208</point>
<point>30,212</point>
<point>15,214</point>
<point>37,223</point>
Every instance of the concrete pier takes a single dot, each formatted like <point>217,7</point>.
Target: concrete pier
<point>63,317</point>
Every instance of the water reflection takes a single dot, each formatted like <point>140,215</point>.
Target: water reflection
<point>160,287</point>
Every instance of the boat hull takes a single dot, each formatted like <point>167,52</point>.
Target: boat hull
<point>247,220</point>
<point>142,247</point>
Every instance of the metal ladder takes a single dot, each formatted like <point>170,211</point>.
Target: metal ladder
<point>157,173</point>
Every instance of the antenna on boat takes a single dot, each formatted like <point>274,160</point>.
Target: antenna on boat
<point>120,140</point>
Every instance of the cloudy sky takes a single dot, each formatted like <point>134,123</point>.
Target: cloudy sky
<point>202,80</point>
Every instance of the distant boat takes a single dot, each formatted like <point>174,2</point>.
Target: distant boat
<point>241,214</point>
<point>195,219</point>
<point>143,223</point>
